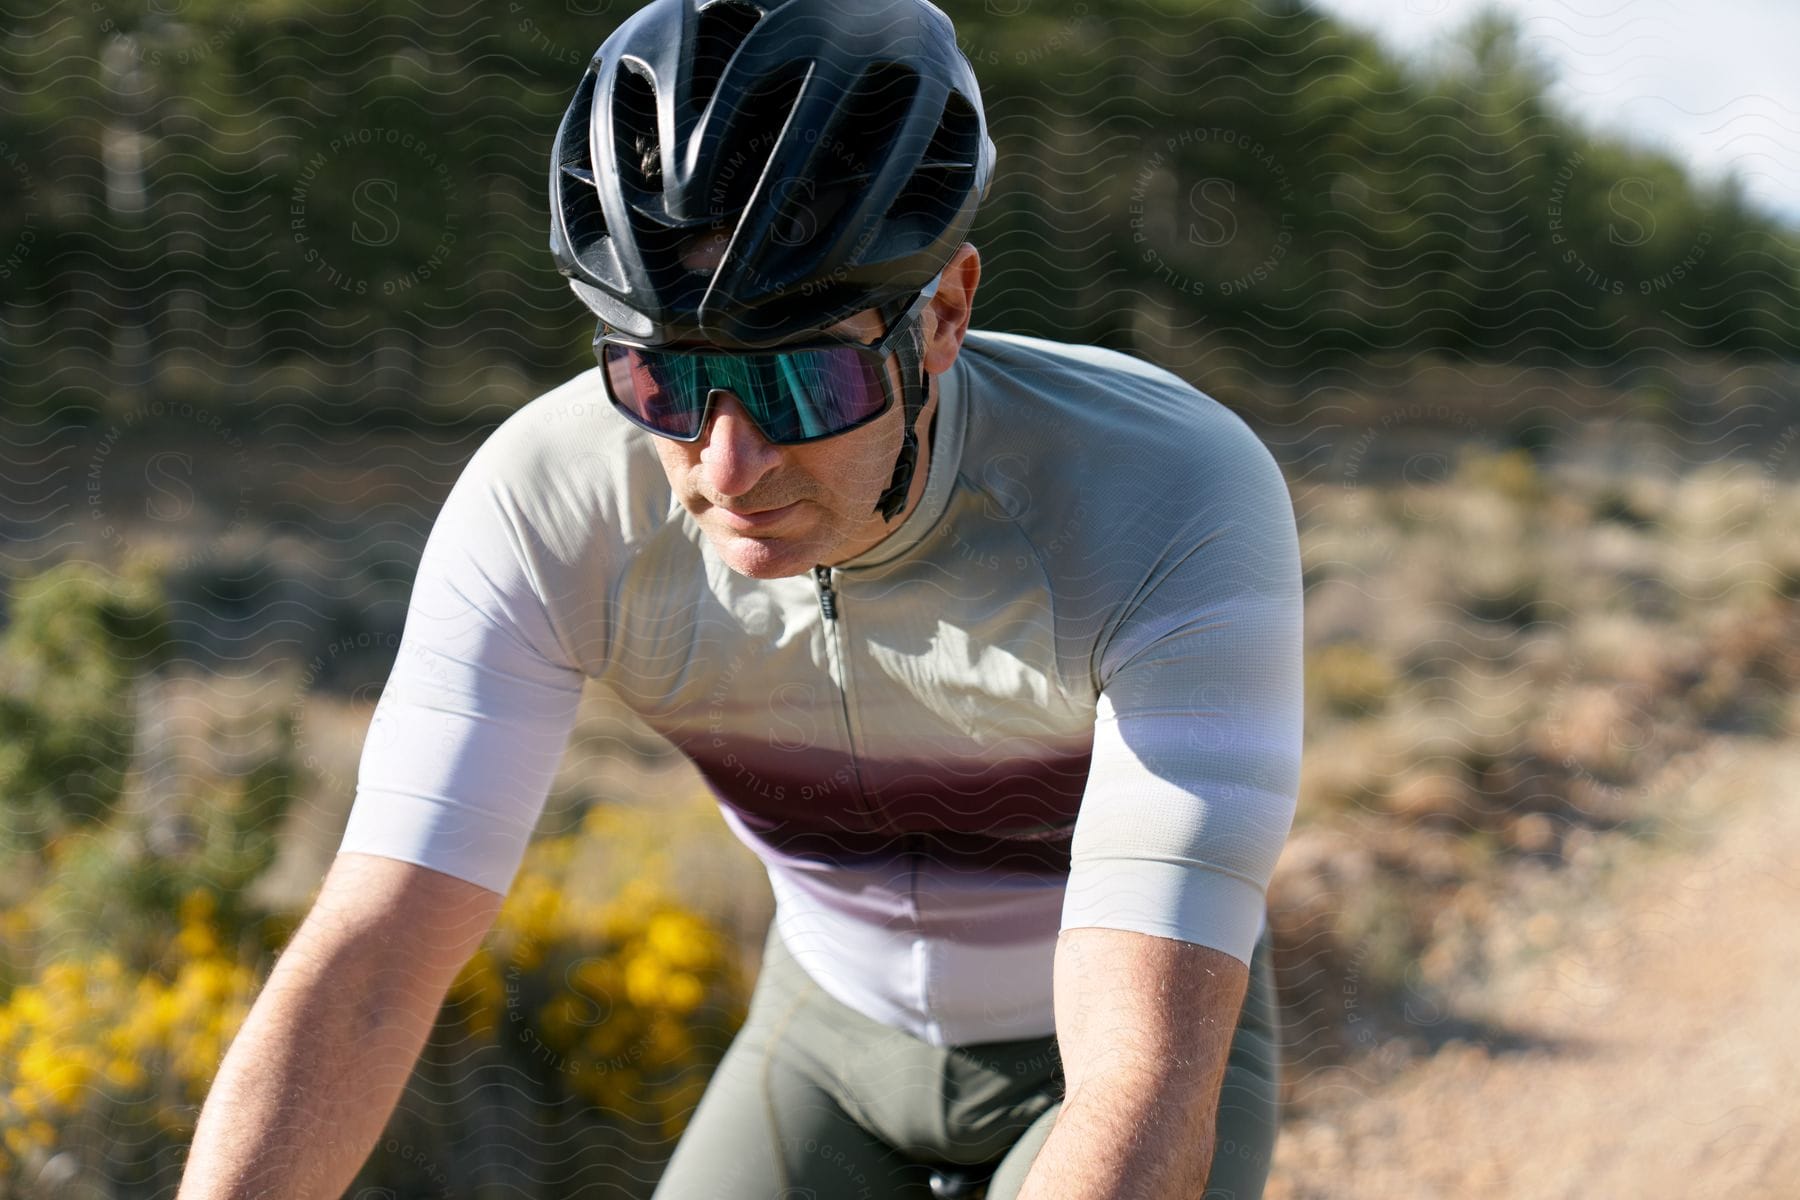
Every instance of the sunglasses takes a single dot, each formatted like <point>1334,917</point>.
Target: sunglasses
<point>795,395</point>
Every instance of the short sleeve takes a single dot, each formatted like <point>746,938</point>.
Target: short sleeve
<point>1196,757</point>
<point>476,714</point>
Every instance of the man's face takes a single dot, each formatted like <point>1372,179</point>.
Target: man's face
<point>824,491</point>
<point>772,511</point>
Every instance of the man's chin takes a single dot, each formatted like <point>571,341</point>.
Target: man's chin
<point>762,557</point>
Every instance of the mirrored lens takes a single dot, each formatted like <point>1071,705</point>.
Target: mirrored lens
<point>649,387</point>
<point>808,394</point>
<point>792,397</point>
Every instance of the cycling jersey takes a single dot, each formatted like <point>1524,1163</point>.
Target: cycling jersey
<point>1064,692</point>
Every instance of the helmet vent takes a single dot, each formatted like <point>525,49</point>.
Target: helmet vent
<point>946,173</point>
<point>872,115</point>
<point>639,149</point>
<point>721,29</point>
<point>582,218</point>
<point>958,134</point>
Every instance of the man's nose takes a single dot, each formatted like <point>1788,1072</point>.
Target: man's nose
<point>733,450</point>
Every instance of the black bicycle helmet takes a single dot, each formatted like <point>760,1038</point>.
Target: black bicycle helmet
<point>838,147</point>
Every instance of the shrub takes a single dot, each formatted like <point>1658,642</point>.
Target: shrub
<point>111,1060</point>
<point>629,998</point>
<point>76,640</point>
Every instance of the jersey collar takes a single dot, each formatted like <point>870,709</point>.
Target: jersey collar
<point>940,474</point>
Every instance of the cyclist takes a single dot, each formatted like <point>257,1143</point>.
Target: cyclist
<point>989,647</point>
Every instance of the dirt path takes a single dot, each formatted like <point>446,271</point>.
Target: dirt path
<point>1673,1011</point>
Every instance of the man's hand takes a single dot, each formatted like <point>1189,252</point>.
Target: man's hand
<point>1144,1025</point>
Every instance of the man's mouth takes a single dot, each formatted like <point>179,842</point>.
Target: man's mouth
<point>752,521</point>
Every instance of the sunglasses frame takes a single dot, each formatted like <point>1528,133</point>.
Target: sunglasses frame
<point>892,344</point>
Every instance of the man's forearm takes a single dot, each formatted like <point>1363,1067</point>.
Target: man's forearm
<point>1126,1141</point>
<point>307,1086</point>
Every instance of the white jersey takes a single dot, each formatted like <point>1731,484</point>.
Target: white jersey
<point>1064,692</point>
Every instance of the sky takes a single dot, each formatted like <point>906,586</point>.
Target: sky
<point>1716,83</point>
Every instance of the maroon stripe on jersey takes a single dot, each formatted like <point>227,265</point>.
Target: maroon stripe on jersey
<point>1012,815</point>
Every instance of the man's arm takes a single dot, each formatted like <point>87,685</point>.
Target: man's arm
<point>1144,1025</point>
<point>311,1078</point>
<point>1191,790</point>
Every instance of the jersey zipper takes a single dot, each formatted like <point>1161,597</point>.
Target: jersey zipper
<point>827,597</point>
<point>828,606</point>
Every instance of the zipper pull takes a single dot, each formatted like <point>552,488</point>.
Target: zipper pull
<point>827,597</point>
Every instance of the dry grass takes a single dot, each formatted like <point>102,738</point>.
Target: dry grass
<point>1505,665</point>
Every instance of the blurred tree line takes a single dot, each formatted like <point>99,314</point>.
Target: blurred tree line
<point>343,202</point>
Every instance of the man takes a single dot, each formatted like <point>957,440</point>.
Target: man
<point>988,646</point>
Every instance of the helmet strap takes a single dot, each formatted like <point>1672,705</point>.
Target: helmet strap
<point>915,386</point>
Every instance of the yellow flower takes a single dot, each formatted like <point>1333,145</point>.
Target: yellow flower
<point>669,1040</point>
<point>64,977</point>
<point>682,939</point>
<point>644,981</point>
<point>682,993</point>
<point>197,941</point>
<point>125,1074</point>
<point>204,984</point>
<point>534,910</point>
<point>30,1005</point>
<point>563,1018</point>
<point>165,1014</point>
<point>65,1084</point>
<point>198,906</point>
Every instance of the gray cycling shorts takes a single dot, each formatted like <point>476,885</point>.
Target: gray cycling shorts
<point>815,1101</point>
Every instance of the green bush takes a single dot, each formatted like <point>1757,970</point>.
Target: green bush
<point>77,639</point>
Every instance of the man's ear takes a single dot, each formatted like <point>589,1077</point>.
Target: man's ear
<point>947,316</point>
